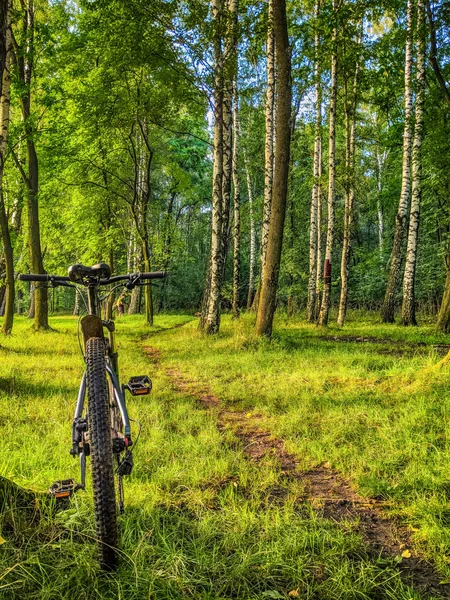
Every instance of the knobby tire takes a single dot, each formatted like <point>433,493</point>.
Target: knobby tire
<point>101,454</point>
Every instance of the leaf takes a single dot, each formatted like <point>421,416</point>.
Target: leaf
<point>248,415</point>
<point>2,540</point>
<point>294,594</point>
<point>406,553</point>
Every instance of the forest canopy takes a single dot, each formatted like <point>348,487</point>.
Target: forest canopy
<point>207,138</point>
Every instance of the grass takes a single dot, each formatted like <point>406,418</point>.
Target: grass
<point>199,522</point>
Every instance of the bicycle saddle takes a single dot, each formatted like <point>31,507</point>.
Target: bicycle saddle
<point>79,272</point>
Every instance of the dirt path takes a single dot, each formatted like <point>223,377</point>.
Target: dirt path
<point>329,493</point>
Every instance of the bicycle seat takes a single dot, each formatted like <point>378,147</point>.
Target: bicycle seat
<point>79,272</point>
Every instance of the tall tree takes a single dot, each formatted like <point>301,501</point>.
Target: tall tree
<point>349,184</point>
<point>326,296</point>
<point>25,68</point>
<point>388,310</point>
<point>314,224</point>
<point>236,205</point>
<point>251,274</point>
<point>5,82</point>
<point>268,146</point>
<point>409,300</point>
<point>212,309</point>
<point>267,304</point>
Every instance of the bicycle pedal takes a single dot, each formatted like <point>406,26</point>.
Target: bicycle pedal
<point>63,488</point>
<point>140,385</point>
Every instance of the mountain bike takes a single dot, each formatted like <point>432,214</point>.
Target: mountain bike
<point>101,428</point>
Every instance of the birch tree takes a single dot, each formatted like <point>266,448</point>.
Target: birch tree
<point>326,296</point>
<point>267,304</point>
<point>25,68</point>
<point>268,146</point>
<point>388,309</point>
<point>211,321</point>
<point>251,275</point>
<point>236,204</point>
<point>409,301</point>
<point>314,224</point>
<point>350,125</point>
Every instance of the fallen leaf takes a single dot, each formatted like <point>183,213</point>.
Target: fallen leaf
<point>294,594</point>
<point>248,415</point>
<point>2,540</point>
<point>406,553</point>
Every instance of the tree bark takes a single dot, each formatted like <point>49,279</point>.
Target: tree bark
<point>319,238</point>
<point>5,84</point>
<point>267,304</point>
<point>212,318</point>
<point>313,227</point>
<point>381,159</point>
<point>409,302</point>
<point>388,309</point>
<point>268,148</point>
<point>350,125</point>
<point>326,296</point>
<point>31,179</point>
<point>251,276</point>
<point>236,204</point>
<point>443,320</point>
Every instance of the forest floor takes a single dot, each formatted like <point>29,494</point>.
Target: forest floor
<point>314,466</point>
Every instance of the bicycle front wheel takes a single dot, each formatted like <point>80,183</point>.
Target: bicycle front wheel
<point>102,466</point>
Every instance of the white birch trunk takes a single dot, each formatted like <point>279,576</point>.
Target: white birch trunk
<point>313,228</point>
<point>268,147</point>
<point>408,305</point>
<point>237,204</point>
<point>251,276</point>
<point>326,297</point>
<point>388,310</point>
<point>350,126</point>
<point>212,320</point>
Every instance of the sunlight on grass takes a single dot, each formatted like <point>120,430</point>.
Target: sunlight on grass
<point>198,520</point>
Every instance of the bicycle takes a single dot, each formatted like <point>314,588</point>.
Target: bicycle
<point>102,429</point>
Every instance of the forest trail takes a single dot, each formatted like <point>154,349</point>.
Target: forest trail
<point>328,492</point>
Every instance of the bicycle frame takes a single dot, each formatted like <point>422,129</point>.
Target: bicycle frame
<point>93,326</point>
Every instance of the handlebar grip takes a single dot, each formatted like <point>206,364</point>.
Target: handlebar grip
<point>33,277</point>
<point>154,275</point>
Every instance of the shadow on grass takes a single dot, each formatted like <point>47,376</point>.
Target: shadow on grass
<point>19,386</point>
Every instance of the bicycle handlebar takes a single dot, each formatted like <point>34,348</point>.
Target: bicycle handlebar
<point>61,279</point>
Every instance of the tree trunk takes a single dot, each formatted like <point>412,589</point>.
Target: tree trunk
<point>134,305</point>
<point>388,310</point>
<point>350,124</point>
<point>319,239</point>
<point>212,320</point>
<point>237,205</point>
<point>251,276</point>
<point>443,320</point>
<point>148,288</point>
<point>409,303</point>
<point>381,159</point>
<point>111,296</point>
<point>313,228</point>
<point>5,82</point>
<point>76,307</point>
<point>267,304</point>
<point>31,179</point>
<point>268,148</point>
<point>326,296</point>
<point>31,311</point>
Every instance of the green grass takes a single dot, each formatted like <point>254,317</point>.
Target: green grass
<point>199,522</point>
